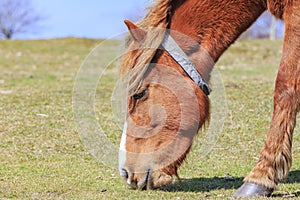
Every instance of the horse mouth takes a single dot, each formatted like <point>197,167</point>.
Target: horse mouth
<point>150,181</point>
<point>143,184</point>
<point>146,184</point>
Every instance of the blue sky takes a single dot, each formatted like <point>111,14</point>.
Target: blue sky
<point>85,18</point>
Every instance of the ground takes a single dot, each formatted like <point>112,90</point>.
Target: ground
<point>42,156</point>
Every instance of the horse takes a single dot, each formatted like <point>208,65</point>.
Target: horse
<point>170,55</point>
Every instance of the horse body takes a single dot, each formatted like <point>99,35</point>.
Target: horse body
<point>212,26</point>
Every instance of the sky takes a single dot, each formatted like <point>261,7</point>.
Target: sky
<point>84,18</point>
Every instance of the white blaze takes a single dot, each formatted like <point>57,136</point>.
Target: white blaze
<point>122,149</point>
<point>123,139</point>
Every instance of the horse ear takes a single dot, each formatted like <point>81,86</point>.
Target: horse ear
<point>136,33</point>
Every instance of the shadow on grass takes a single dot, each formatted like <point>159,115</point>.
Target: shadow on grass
<point>204,184</point>
<point>294,177</point>
<point>217,183</point>
<point>287,195</point>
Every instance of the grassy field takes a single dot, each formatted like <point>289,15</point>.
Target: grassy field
<point>42,157</point>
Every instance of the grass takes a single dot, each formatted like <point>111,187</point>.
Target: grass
<point>42,156</point>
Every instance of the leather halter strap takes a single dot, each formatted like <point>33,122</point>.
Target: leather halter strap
<point>185,62</point>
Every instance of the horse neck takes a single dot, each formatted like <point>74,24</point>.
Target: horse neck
<point>214,24</point>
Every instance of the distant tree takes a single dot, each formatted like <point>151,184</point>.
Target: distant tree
<point>272,34</point>
<point>17,16</point>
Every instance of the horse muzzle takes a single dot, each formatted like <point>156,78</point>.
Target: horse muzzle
<point>146,181</point>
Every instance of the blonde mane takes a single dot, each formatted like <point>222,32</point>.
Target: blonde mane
<point>136,62</point>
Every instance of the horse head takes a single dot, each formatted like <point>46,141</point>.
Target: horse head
<point>165,109</point>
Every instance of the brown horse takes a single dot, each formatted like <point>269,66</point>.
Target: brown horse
<point>170,56</point>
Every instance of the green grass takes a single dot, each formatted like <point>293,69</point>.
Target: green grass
<point>42,157</point>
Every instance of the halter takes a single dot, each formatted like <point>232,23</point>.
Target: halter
<point>185,62</point>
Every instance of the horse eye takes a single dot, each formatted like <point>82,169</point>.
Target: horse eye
<point>140,95</point>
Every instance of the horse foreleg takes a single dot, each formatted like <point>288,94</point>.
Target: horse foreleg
<point>276,157</point>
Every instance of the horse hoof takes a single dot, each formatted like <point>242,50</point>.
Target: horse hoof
<point>248,190</point>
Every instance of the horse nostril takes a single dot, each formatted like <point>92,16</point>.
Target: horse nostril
<point>145,181</point>
<point>124,174</point>
<point>132,184</point>
<point>137,181</point>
